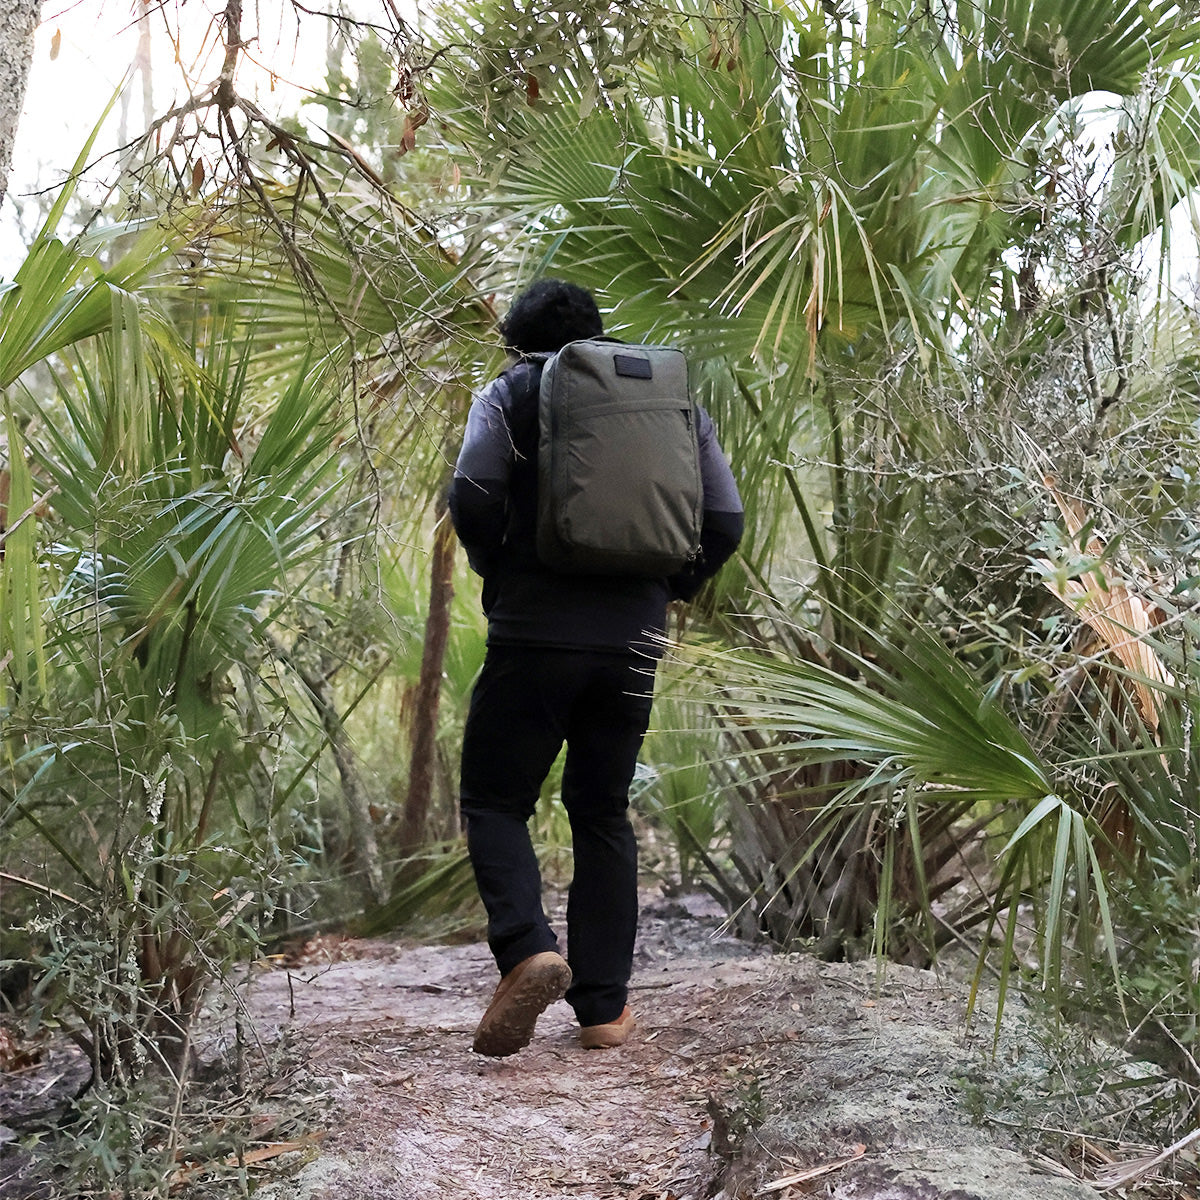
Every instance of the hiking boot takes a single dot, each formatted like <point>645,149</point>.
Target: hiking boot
<point>605,1037</point>
<point>520,998</point>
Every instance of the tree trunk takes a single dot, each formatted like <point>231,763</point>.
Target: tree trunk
<point>143,70</point>
<point>429,685</point>
<point>18,20</point>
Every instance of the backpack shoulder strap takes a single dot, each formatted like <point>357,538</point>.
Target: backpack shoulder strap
<point>524,375</point>
<point>523,379</point>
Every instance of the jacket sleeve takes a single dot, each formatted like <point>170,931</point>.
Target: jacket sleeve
<point>724,518</point>
<point>478,497</point>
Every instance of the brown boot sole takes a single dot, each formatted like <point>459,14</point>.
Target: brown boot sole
<point>522,996</point>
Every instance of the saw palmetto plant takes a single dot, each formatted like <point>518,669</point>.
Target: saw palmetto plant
<point>915,254</point>
<point>906,247</point>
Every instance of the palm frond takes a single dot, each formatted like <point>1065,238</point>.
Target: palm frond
<point>22,628</point>
<point>1116,611</point>
<point>905,723</point>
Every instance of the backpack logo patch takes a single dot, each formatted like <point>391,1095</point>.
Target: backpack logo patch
<point>632,368</point>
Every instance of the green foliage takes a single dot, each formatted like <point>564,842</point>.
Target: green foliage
<point>675,786</point>
<point>190,538</point>
<point>21,625</point>
<point>136,797</point>
<point>897,250</point>
<point>909,264</point>
<point>170,564</point>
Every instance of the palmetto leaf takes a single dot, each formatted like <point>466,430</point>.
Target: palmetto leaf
<point>913,711</point>
<point>22,639</point>
<point>59,297</point>
<point>61,294</point>
<point>909,723</point>
<point>376,280</point>
<point>708,209</point>
<point>195,534</point>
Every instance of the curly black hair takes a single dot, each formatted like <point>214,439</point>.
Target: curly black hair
<point>547,315</point>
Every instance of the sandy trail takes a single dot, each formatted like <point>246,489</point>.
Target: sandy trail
<point>748,1071</point>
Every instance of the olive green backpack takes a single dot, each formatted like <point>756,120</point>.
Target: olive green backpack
<point>619,489</point>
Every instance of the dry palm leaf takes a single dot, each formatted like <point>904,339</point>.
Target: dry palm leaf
<point>1115,612</point>
<point>1130,1174</point>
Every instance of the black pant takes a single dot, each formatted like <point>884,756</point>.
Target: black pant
<point>528,701</point>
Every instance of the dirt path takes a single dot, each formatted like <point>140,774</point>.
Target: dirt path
<point>748,1070</point>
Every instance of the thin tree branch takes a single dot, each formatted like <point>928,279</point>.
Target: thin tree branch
<point>31,511</point>
<point>366,845</point>
<point>40,887</point>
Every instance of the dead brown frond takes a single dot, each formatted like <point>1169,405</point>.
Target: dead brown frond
<point>1132,1173</point>
<point>1115,609</point>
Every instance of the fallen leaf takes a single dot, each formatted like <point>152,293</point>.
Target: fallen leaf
<point>264,1153</point>
<point>249,1157</point>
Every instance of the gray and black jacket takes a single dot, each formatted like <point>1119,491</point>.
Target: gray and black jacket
<point>493,503</point>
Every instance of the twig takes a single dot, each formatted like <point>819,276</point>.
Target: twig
<point>31,511</point>
<point>779,1185</point>
<point>1183,1050</point>
<point>38,887</point>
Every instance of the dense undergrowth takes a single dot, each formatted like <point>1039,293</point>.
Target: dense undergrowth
<point>944,698</point>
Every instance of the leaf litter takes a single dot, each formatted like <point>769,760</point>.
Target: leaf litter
<point>751,1075</point>
<point>347,1064</point>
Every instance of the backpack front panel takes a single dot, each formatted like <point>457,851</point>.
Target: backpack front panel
<point>618,462</point>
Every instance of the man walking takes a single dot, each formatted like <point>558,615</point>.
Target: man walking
<point>571,659</point>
